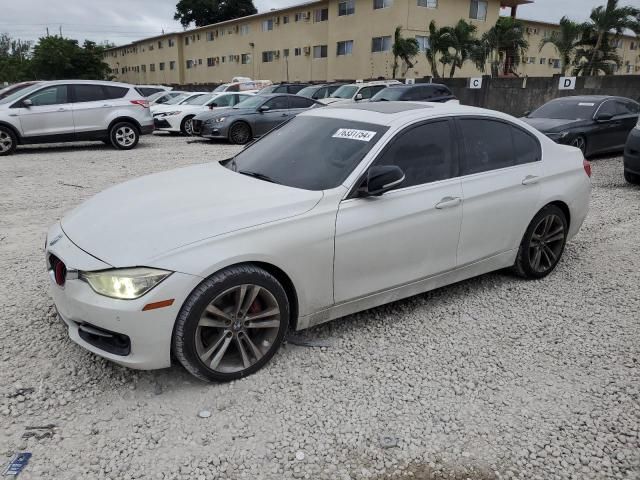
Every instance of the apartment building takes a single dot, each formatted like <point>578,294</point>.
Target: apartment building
<point>318,41</point>
<point>323,40</point>
<point>546,61</point>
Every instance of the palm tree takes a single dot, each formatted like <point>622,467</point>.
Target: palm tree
<point>606,19</point>
<point>566,42</point>
<point>460,41</point>
<point>435,47</point>
<point>503,45</point>
<point>607,56</point>
<point>405,49</point>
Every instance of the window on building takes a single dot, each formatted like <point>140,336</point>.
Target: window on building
<point>267,25</point>
<point>299,17</point>
<point>320,51</point>
<point>629,68</point>
<point>344,48</point>
<point>268,57</point>
<point>428,3</point>
<point>246,58</point>
<point>210,36</point>
<point>171,42</point>
<point>633,46</point>
<point>321,15</point>
<point>172,65</point>
<point>381,44</point>
<point>285,19</point>
<point>186,40</point>
<point>285,53</point>
<point>161,66</point>
<point>244,29</point>
<point>199,61</point>
<point>150,47</point>
<point>144,68</point>
<point>189,63</point>
<point>377,4</point>
<point>423,42</point>
<point>543,60</point>
<point>160,44</point>
<point>346,7</point>
<point>210,62</point>
<point>152,67</point>
<point>297,51</point>
<point>478,10</point>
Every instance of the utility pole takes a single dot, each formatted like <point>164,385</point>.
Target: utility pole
<point>60,31</point>
<point>47,31</point>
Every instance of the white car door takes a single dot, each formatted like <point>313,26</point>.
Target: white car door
<point>49,114</point>
<point>91,108</point>
<point>501,170</point>
<point>408,233</point>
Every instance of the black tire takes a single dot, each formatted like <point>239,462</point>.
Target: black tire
<point>580,142</point>
<point>185,127</point>
<point>124,135</point>
<point>632,178</point>
<point>189,336</point>
<point>240,133</point>
<point>543,244</point>
<point>8,141</point>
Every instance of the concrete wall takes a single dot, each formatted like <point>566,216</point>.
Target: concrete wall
<point>517,95</point>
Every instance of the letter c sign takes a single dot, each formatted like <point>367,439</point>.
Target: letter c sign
<point>475,82</point>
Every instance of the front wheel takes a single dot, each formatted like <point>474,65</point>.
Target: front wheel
<point>124,136</point>
<point>8,141</point>
<point>232,324</point>
<point>187,126</point>
<point>629,177</point>
<point>543,243</point>
<point>239,133</point>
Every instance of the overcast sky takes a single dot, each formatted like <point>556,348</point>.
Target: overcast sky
<point>122,21</point>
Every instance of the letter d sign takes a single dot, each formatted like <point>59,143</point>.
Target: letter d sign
<point>567,83</point>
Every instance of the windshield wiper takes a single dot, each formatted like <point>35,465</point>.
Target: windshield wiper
<point>260,176</point>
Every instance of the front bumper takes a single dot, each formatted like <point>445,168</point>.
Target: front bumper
<point>203,129</point>
<point>118,330</point>
<point>632,152</point>
<point>168,124</point>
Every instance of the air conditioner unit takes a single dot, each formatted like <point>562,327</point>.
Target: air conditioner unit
<point>307,50</point>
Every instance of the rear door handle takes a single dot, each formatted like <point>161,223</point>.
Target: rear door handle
<point>530,180</point>
<point>448,202</point>
<point>106,105</point>
<point>62,109</point>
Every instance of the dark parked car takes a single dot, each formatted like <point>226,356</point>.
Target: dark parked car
<point>250,118</point>
<point>425,92</point>
<point>592,123</point>
<point>632,156</point>
<point>6,91</point>
<point>319,91</point>
<point>283,88</point>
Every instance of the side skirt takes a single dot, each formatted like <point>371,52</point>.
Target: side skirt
<point>497,262</point>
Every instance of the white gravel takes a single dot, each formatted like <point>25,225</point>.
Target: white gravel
<point>492,378</point>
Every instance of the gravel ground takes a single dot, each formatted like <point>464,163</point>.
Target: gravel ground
<point>491,378</point>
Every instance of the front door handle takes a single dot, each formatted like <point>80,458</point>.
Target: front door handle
<point>530,180</point>
<point>62,109</point>
<point>448,202</point>
<point>106,105</point>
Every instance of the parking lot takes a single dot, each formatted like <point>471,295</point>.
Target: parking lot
<point>494,377</point>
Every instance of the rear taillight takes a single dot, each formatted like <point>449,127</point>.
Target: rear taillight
<point>587,167</point>
<point>142,103</point>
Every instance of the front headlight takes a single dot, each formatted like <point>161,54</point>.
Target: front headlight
<point>124,283</point>
<point>557,136</point>
<point>220,119</point>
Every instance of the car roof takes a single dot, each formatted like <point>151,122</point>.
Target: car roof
<point>93,82</point>
<point>586,98</point>
<point>388,113</point>
<point>417,85</point>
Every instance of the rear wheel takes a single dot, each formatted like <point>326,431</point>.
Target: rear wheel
<point>8,141</point>
<point>232,324</point>
<point>629,177</point>
<point>124,136</point>
<point>239,133</point>
<point>186,127</point>
<point>543,243</point>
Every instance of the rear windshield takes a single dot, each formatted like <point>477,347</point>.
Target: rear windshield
<point>312,153</point>
<point>566,110</point>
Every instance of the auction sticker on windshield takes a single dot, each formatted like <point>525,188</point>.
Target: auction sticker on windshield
<point>354,134</point>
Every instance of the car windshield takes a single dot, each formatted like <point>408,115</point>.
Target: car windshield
<point>312,153</point>
<point>566,110</point>
<point>389,94</point>
<point>250,102</point>
<point>156,96</point>
<point>221,88</point>
<point>309,91</point>
<point>198,100</point>
<point>345,91</point>
<point>269,89</point>
<point>20,93</point>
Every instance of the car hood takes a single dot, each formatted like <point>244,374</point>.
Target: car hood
<point>178,108</point>
<point>223,111</point>
<point>133,223</point>
<point>553,124</point>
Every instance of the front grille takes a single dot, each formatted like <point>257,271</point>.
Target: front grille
<point>59,270</point>
<point>196,125</point>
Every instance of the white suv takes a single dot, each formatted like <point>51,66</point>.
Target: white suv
<point>74,110</point>
<point>358,91</point>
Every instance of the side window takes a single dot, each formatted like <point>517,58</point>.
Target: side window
<point>416,94</point>
<point>365,92</point>
<point>224,100</point>
<point>609,107</point>
<point>88,93</point>
<point>281,89</point>
<point>424,154</point>
<point>278,103</point>
<point>114,92</point>
<point>526,147</point>
<point>49,96</point>
<point>488,145</point>
<point>321,93</point>
<point>377,89</point>
<point>300,102</point>
<point>627,108</point>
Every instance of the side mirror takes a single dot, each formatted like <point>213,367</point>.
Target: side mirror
<point>358,97</point>
<point>527,113</point>
<point>27,103</point>
<point>603,117</point>
<point>212,106</point>
<point>264,108</point>
<point>382,178</point>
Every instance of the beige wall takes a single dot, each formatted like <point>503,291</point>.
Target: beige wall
<point>232,40</point>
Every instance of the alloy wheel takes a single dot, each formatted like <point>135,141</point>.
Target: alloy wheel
<point>579,142</point>
<point>188,126</point>
<point>6,142</point>
<point>547,242</point>
<point>240,134</point>
<point>237,328</point>
<point>125,136</point>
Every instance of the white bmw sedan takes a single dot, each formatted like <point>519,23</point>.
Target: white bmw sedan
<point>336,211</point>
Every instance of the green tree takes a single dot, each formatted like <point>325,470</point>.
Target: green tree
<point>14,59</point>
<point>405,49</point>
<point>57,58</point>
<point>436,46</point>
<point>608,58</point>
<point>460,41</point>
<point>503,46</point>
<point>602,21</point>
<point>565,42</point>
<point>207,12</point>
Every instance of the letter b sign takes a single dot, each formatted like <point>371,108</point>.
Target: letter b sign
<point>567,83</point>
